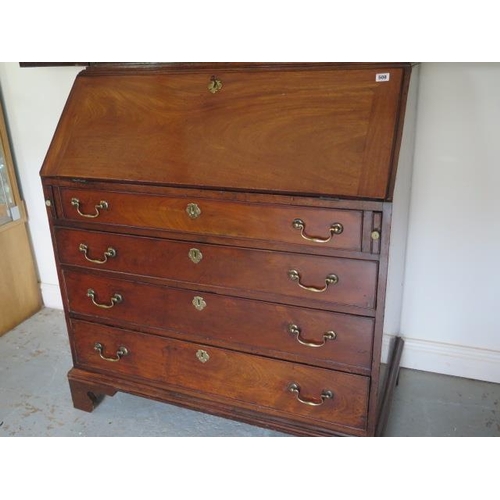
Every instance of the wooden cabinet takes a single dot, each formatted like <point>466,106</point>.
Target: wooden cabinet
<point>222,233</point>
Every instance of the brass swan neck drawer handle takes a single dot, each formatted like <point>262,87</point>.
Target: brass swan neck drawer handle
<point>116,299</point>
<point>295,388</point>
<point>108,254</point>
<point>122,351</point>
<point>331,279</point>
<point>102,205</point>
<point>296,330</point>
<point>335,228</point>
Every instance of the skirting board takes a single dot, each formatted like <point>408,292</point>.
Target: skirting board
<point>448,359</point>
<point>51,296</point>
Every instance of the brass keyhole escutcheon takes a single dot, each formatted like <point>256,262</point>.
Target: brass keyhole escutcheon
<point>195,255</point>
<point>215,85</point>
<point>202,355</point>
<point>193,210</point>
<point>199,303</point>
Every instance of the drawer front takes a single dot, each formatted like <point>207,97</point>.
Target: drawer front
<point>327,132</point>
<point>307,335</point>
<point>339,229</point>
<point>326,280</point>
<point>278,386</point>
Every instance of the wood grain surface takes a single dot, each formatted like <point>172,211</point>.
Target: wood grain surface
<point>328,132</point>
<point>229,374</point>
<point>205,306</point>
<point>255,221</point>
<point>228,321</point>
<point>228,268</point>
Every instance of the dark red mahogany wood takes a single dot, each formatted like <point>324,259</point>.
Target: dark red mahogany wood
<point>221,234</point>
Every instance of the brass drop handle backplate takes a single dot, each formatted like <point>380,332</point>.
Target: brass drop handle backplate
<point>215,85</point>
<point>296,331</point>
<point>325,394</point>
<point>102,205</point>
<point>108,254</point>
<point>331,279</point>
<point>122,351</point>
<point>335,228</point>
<point>115,299</point>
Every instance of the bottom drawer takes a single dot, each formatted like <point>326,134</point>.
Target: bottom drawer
<point>276,387</point>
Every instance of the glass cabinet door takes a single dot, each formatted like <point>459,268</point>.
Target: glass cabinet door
<point>10,201</point>
<point>7,204</point>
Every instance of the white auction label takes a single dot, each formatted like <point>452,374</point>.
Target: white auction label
<point>382,77</point>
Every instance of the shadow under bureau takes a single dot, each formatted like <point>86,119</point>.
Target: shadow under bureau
<point>222,234</point>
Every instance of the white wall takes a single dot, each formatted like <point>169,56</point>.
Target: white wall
<point>450,292</point>
<point>34,99</point>
<point>452,281</point>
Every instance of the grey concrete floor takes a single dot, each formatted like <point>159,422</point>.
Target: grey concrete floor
<point>35,400</point>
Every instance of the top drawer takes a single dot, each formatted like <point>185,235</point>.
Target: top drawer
<point>307,130</point>
<point>329,228</point>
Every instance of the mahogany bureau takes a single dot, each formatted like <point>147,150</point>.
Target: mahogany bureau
<point>221,233</point>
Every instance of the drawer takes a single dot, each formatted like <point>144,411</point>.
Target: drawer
<point>326,280</point>
<point>330,228</point>
<point>325,131</point>
<point>280,387</point>
<point>307,335</point>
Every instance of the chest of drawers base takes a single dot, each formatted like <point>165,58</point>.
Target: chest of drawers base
<point>89,388</point>
<point>217,322</point>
